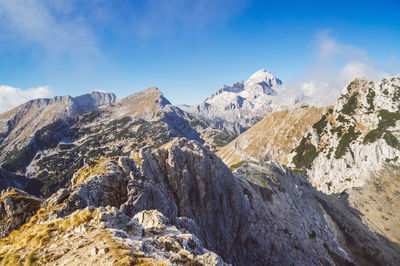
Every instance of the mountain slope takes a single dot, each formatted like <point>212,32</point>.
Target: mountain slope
<point>354,149</point>
<point>237,107</point>
<point>273,138</point>
<point>158,211</point>
<point>18,124</point>
<point>52,153</point>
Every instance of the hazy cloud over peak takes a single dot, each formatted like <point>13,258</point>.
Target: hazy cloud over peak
<point>334,66</point>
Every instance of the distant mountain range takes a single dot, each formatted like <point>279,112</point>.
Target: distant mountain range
<point>49,139</point>
<point>250,176</point>
<point>237,107</point>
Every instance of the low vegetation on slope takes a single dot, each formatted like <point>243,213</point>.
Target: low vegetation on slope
<point>273,138</point>
<point>353,138</point>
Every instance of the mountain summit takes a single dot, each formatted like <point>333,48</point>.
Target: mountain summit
<point>237,107</point>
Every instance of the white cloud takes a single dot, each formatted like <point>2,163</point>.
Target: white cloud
<point>48,23</point>
<point>11,97</point>
<point>335,65</point>
<point>174,17</point>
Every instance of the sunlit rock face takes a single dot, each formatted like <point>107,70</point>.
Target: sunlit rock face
<point>355,138</point>
<point>273,138</point>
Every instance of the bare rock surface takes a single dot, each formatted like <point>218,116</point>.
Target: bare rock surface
<point>355,138</point>
<point>16,208</point>
<point>180,204</point>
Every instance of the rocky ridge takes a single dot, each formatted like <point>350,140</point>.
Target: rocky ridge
<point>18,124</point>
<point>16,208</point>
<point>180,204</point>
<point>354,139</point>
<point>56,149</point>
<point>354,150</point>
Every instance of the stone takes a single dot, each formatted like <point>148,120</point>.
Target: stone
<point>16,208</point>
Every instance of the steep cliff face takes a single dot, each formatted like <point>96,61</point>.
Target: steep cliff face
<point>273,138</point>
<point>355,138</point>
<point>237,107</point>
<point>181,204</point>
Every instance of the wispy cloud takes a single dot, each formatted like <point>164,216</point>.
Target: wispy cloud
<point>51,24</point>
<point>335,65</point>
<point>11,97</point>
<point>174,17</point>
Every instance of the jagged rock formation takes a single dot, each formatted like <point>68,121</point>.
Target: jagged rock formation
<point>57,147</point>
<point>273,138</point>
<point>180,201</point>
<point>355,138</point>
<point>16,208</point>
<point>237,107</point>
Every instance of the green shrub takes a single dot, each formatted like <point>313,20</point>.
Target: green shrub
<point>342,119</point>
<point>305,154</point>
<point>337,130</point>
<point>372,136</point>
<point>345,141</point>
<point>388,119</point>
<point>320,125</point>
<point>351,105</point>
<point>66,146</point>
<point>18,159</point>
<point>237,165</point>
<point>391,140</point>
<point>370,99</point>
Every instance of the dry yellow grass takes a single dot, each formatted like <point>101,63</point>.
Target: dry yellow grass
<point>42,242</point>
<point>274,137</point>
<point>141,104</point>
<point>36,234</point>
<point>168,145</point>
<point>379,202</point>
<point>97,167</point>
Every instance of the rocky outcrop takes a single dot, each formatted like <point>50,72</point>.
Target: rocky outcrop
<point>354,139</point>
<point>180,204</point>
<point>104,236</point>
<point>261,214</point>
<point>16,208</point>
<point>298,225</point>
<point>273,138</point>
<point>354,149</point>
<point>187,180</point>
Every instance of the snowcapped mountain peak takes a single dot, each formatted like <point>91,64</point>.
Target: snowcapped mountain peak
<point>237,107</point>
<point>263,76</point>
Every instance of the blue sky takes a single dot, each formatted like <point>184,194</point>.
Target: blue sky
<point>190,48</point>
